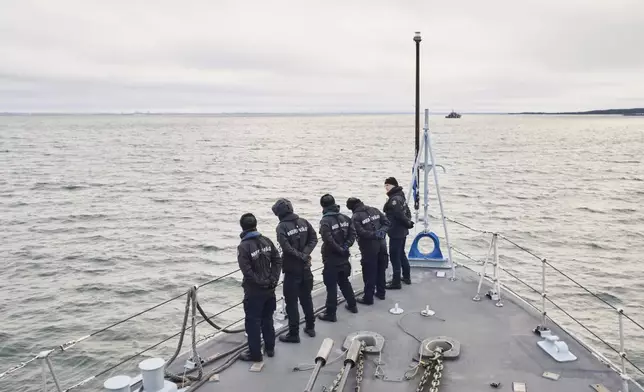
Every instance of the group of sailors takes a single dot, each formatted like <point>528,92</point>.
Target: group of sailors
<point>261,263</point>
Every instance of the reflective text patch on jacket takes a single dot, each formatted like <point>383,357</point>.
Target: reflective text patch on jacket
<point>259,262</point>
<point>297,239</point>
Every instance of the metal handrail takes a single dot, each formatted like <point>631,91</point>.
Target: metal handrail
<point>45,355</point>
<point>138,354</point>
<point>543,260</point>
<point>620,312</point>
<point>71,343</point>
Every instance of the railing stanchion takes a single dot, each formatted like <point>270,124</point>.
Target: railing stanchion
<point>44,375</point>
<point>53,375</point>
<point>497,274</point>
<point>543,293</point>
<point>477,297</point>
<point>622,352</point>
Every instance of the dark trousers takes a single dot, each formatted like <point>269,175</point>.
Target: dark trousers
<point>374,266</point>
<point>398,259</point>
<point>334,276</point>
<point>381,270</point>
<point>259,310</point>
<point>298,286</point>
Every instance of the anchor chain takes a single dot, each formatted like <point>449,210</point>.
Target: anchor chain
<point>433,371</point>
<point>335,383</point>
<point>359,373</point>
<point>360,369</point>
<point>438,374</point>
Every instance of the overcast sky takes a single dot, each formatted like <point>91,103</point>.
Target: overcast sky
<point>332,55</point>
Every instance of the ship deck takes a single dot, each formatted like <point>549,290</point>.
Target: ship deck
<point>497,345</point>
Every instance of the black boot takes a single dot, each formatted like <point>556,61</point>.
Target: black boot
<point>310,331</point>
<point>406,280</point>
<point>380,296</point>
<point>352,309</point>
<point>245,356</point>
<point>361,300</point>
<point>393,285</point>
<point>270,353</point>
<point>290,338</point>
<point>327,317</point>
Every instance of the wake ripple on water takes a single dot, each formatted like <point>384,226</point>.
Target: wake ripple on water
<point>213,248</point>
<point>591,210</point>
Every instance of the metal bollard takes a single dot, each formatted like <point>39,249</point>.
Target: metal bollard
<point>117,384</point>
<point>152,370</point>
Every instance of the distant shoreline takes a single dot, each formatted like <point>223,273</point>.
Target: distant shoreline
<point>618,112</point>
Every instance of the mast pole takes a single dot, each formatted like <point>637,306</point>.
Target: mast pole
<point>417,39</point>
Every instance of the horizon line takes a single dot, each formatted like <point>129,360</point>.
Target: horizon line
<point>151,113</point>
<point>289,113</point>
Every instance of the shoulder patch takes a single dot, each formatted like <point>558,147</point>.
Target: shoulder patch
<point>393,202</point>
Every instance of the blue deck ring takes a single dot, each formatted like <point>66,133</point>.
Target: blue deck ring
<point>435,254</point>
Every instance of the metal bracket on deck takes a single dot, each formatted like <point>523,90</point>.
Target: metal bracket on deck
<point>556,348</point>
<point>374,341</point>
<point>541,330</point>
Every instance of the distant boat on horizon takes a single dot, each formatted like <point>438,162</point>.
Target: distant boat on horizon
<point>453,114</point>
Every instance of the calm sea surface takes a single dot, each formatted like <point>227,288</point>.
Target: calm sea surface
<point>102,216</point>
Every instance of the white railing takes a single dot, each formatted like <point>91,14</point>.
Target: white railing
<point>496,281</point>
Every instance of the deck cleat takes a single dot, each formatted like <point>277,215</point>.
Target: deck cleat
<point>427,312</point>
<point>396,309</point>
<point>556,348</point>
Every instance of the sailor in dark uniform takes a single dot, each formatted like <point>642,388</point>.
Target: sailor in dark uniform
<point>399,215</point>
<point>297,238</point>
<point>371,227</point>
<point>338,234</point>
<point>260,262</point>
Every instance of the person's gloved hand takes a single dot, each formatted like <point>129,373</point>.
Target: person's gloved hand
<point>308,261</point>
<point>380,234</point>
<point>345,249</point>
<point>272,284</point>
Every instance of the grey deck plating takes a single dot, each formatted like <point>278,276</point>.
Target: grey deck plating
<point>497,345</point>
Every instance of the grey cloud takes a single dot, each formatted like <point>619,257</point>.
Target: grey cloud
<point>302,56</point>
